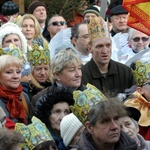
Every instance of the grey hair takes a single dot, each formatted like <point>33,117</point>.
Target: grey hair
<point>63,59</point>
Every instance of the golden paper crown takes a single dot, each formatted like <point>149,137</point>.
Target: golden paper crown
<point>14,51</point>
<point>34,134</point>
<point>97,28</point>
<point>141,72</point>
<point>85,100</point>
<point>39,55</point>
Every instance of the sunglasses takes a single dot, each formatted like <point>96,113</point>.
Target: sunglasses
<point>148,83</point>
<point>56,23</point>
<point>137,39</point>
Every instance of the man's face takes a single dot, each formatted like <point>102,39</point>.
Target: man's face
<point>101,50</point>
<point>127,125</point>
<point>119,23</point>
<point>89,15</point>
<point>139,41</point>
<point>56,24</point>
<point>106,130</point>
<point>40,14</point>
<point>81,42</point>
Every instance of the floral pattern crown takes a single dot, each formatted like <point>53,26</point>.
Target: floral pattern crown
<point>141,71</point>
<point>34,134</point>
<point>39,53</point>
<point>85,100</point>
<point>97,28</point>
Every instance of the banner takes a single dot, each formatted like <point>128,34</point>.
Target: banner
<point>139,14</point>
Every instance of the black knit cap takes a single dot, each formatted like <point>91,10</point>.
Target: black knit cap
<point>92,9</point>
<point>9,8</point>
<point>34,5</point>
<point>117,10</point>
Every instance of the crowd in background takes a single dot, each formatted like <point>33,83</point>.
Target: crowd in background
<point>81,84</point>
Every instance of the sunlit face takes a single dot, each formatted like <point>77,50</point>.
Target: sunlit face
<point>40,13</point>
<point>127,125</point>
<point>70,76</point>
<point>119,23</point>
<point>101,50</point>
<point>52,28</point>
<point>11,39</point>
<point>137,46</point>
<point>82,40</point>
<point>10,77</point>
<point>59,111</point>
<point>41,73</point>
<point>28,29</point>
<point>105,131</point>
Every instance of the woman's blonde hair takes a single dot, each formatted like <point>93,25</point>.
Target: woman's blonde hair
<point>63,59</point>
<point>36,24</point>
<point>35,83</point>
<point>8,61</point>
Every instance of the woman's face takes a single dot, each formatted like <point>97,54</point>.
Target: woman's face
<point>41,73</point>
<point>127,125</point>
<point>28,29</point>
<point>10,77</point>
<point>57,114</point>
<point>11,39</point>
<point>70,76</point>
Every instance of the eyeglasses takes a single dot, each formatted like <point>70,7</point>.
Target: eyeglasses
<point>56,23</point>
<point>137,39</point>
<point>85,36</point>
<point>148,83</point>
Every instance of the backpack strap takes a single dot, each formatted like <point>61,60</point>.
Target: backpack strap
<point>24,103</point>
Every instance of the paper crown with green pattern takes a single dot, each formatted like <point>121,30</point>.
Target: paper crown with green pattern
<point>97,28</point>
<point>39,54</point>
<point>85,100</point>
<point>14,51</point>
<point>34,134</point>
<point>141,71</point>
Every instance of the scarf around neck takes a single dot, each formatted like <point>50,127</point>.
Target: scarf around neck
<point>13,104</point>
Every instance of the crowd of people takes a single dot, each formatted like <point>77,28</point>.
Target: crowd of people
<point>79,87</point>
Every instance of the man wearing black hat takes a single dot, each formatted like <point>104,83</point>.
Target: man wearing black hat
<point>118,20</point>
<point>38,9</point>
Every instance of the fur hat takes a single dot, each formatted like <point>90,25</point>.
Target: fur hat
<point>11,28</point>
<point>117,10</point>
<point>69,126</point>
<point>92,9</point>
<point>33,6</point>
<point>9,8</point>
<point>54,95</point>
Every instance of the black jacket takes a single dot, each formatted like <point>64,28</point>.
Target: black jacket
<point>118,78</point>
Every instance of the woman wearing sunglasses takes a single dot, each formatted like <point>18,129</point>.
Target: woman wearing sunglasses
<point>141,97</point>
<point>138,41</point>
